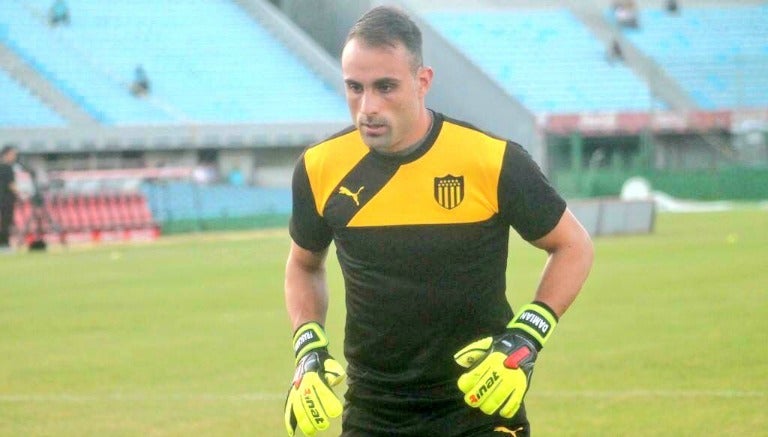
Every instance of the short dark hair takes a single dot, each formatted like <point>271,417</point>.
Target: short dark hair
<point>7,149</point>
<point>386,25</point>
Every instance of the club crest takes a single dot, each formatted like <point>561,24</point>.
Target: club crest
<point>449,191</point>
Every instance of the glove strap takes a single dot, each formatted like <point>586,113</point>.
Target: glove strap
<point>537,320</point>
<point>308,337</point>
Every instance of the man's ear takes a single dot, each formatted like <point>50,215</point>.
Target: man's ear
<point>424,76</point>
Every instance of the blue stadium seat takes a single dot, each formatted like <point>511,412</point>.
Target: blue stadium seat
<point>19,108</point>
<point>718,54</point>
<point>547,59</point>
<point>70,66</point>
<point>206,59</point>
<point>184,201</point>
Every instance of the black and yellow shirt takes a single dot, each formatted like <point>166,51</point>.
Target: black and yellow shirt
<point>422,241</point>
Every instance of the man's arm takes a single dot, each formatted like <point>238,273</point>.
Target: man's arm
<point>306,292</point>
<point>510,356</point>
<point>570,260</point>
<point>311,402</point>
<point>13,190</point>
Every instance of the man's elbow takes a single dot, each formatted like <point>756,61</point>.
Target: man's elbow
<point>587,252</point>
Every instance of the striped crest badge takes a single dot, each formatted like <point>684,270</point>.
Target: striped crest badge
<point>449,191</point>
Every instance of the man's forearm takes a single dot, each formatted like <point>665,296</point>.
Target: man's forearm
<point>570,260</point>
<point>306,292</point>
<point>563,277</point>
<point>305,301</point>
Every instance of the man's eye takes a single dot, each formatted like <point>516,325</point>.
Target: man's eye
<point>386,88</point>
<point>355,88</point>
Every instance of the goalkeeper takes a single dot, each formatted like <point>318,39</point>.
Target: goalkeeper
<point>419,207</point>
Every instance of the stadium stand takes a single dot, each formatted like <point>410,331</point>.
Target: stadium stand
<point>244,85</point>
<point>718,54</point>
<point>207,62</point>
<point>72,68</point>
<point>87,218</point>
<point>20,108</point>
<point>185,201</point>
<point>545,58</point>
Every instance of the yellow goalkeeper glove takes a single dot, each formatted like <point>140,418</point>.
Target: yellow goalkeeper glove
<point>500,367</point>
<point>311,402</point>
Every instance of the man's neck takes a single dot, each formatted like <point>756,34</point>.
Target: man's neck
<point>413,147</point>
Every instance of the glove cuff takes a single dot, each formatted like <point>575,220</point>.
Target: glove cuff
<point>307,337</point>
<point>536,321</point>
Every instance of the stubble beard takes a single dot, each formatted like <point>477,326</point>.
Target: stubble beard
<point>380,142</point>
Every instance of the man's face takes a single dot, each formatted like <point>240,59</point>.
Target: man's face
<point>10,156</point>
<point>384,94</point>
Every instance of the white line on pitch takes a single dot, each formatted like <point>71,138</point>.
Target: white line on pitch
<point>270,397</point>
<point>126,397</point>
<point>613,394</point>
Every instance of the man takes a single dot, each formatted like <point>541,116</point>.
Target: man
<point>419,207</point>
<point>8,195</point>
<point>140,85</point>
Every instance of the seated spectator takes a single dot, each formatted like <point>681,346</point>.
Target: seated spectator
<point>59,13</point>
<point>614,52</point>
<point>672,6</point>
<point>140,86</point>
<point>625,13</point>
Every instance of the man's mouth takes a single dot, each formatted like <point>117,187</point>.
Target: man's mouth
<point>373,129</point>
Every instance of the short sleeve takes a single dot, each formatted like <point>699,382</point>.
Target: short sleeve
<point>307,228</point>
<point>6,174</point>
<point>527,201</point>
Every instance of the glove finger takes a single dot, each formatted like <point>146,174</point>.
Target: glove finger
<point>330,404</point>
<point>519,381</point>
<point>478,383</point>
<point>290,418</point>
<point>473,353</point>
<point>488,378</point>
<point>478,376</point>
<point>511,406</point>
<point>498,392</point>
<point>334,372</point>
<point>315,404</point>
<point>470,379</point>
<point>302,414</point>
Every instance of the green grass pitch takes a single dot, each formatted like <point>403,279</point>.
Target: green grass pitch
<point>188,336</point>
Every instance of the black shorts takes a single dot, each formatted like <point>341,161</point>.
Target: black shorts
<point>370,412</point>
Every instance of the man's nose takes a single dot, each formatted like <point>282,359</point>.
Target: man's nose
<point>369,103</point>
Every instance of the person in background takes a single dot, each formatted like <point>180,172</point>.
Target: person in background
<point>614,52</point>
<point>8,195</point>
<point>58,13</point>
<point>672,7</point>
<point>140,85</point>
<point>419,207</point>
<point>625,13</point>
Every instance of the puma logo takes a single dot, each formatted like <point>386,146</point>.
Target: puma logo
<point>347,192</point>
<point>506,430</point>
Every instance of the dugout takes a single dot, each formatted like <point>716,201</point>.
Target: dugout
<point>703,157</point>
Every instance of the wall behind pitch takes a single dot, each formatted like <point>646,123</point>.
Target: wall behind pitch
<point>326,21</point>
<point>613,216</point>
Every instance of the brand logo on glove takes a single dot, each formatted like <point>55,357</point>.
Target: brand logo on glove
<point>534,321</point>
<point>311,407</point>
<point>475,398</point>
<point>304,339</point>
